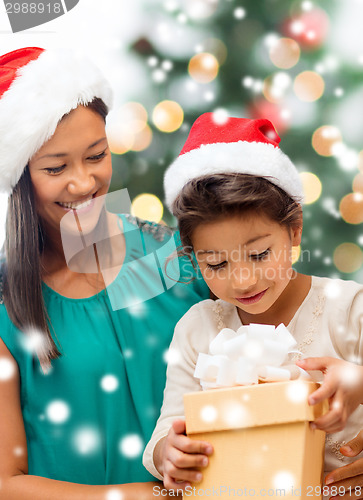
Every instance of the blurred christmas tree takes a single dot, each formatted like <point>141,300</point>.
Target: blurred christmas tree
<point>279,59</point>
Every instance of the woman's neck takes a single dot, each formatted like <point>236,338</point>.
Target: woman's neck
<point>90,270</point>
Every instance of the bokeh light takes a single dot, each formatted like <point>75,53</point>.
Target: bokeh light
<point>312,187</point>
<point>216,47</point>
<point>284,53</point>
<point>203,67</point>
<point>309,28</point>
<point>127,129</point>
<point>295,254</point>
<point>148,207</point>
<point>351,208</point>
<point>239,13</point>
<point>358,183</point>
<point>200,9</point>
<point>168,116</point>
<point>325,138</point>
<point>142,139</point>
<point>348,257</point>
<point>276,86</point>
<point>309,86</point>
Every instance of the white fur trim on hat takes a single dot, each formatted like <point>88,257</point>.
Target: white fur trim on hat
<point>44,91</point>
<point>254,158</point>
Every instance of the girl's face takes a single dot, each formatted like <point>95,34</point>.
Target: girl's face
<point>246,260</point>
<point>72,168</point>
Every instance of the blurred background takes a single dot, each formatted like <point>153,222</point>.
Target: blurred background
<point>298,63</point>
<point>295,62</point>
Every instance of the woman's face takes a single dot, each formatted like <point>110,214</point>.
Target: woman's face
<point>246,260</point>
<point>72,169</point>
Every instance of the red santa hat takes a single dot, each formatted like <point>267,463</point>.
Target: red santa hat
<point>37,88</point>
<point>238,145</point>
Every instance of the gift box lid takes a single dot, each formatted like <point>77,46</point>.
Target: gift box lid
<point>251,406</point>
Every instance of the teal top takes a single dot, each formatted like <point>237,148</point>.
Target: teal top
<point>88,420</point>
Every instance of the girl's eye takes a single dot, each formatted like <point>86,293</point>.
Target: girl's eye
<point>55,170</point>
<point>98,157</point>
<point>261,256</point>
<point>217,266</point>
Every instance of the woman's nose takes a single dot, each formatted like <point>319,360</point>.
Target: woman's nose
<point>82,181</point>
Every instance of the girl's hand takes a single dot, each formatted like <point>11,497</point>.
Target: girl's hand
<point>348,478</point>
<point>181,456</point>
<point>342,386</point>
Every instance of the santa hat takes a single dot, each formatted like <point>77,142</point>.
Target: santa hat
<point>238,145</point>
<point>37,88</point>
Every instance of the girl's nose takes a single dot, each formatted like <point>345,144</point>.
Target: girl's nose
<point>82,182</point>
<point>244,278</point>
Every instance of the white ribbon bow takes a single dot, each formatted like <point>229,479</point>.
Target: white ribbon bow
<point>252,353</point>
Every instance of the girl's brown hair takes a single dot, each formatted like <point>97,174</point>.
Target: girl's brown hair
<point>21,270</point>
<point>211,197</point>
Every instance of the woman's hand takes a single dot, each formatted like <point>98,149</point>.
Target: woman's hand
<point>348,478</point>
<point>181,456</point>
<point>342,386</point>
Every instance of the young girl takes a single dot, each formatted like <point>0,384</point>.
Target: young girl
<point>237,199</point>
<point>81,368</point>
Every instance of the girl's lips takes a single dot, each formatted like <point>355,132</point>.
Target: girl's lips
<point>253,299</point>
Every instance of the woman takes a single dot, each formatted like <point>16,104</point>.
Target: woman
<point>87,309</point>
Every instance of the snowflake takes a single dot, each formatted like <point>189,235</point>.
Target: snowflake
<point>109,383</point>
<point>131,446</point>
<point>58,412</point>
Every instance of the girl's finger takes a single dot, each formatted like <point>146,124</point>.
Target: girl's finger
<point>187,445</point>
<point>321,363</point>
<point>332,421</point>
<point>186,460</point>
<point>177,474</point>
<point>326,391</point>
<point>171,484</point>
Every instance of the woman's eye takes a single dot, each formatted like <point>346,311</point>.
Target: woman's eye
<point>261,256</point>
<point>55,170</point>
<point>217,266</point>
<point>98,157</point>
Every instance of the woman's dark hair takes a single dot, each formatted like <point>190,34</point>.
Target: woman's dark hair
<point>22,270</point>
<point>211,197</point>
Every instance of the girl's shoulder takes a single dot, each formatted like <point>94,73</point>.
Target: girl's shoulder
<point>336,288</point>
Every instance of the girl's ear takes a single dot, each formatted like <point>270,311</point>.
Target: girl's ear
<point>296,231</point>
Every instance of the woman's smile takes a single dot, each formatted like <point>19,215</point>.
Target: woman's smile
<point>79,205</point>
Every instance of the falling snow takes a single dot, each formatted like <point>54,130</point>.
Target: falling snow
<point>109,383</point>
<point>131,446</point>
<point>58,412</point>
<point>7,369</point>
<point>86,440</point>
<point>208,413</point>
